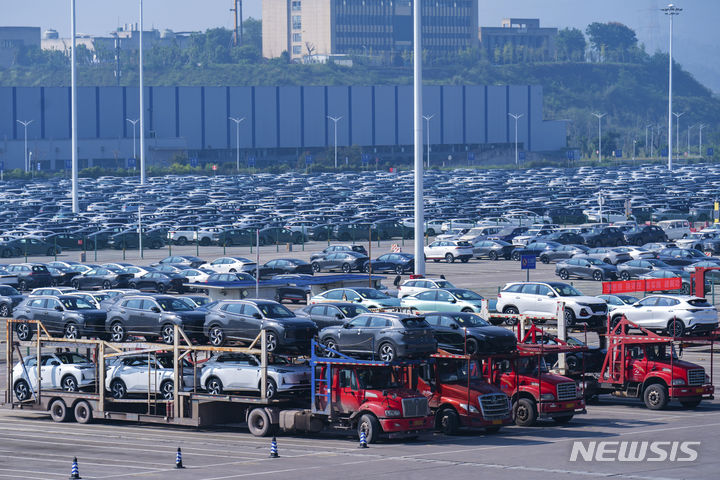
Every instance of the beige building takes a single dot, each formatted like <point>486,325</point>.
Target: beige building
<point>519,32</point>
<point>365,27</point>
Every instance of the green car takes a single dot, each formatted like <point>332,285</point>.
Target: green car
<point>367,297</point>
<point>444,300</point>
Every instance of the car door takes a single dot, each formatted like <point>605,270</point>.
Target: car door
<point>663,311</point>
<point>546,305</point>
<point>51,317</point>
<point>232,318</point>
<point>527,300</point>
<point>50,371</point>
<point>368,337</point>
<point>149,319</point>
<point>324,316</point>
<point>635,363</point>
<point>448,335</point>
<point>347,395</point>
<point>445,302</point>
<point>348,337</point>
<point>242,373</point>
<point>131,310</point>
<point>644,312</point>
<point>426,300</point>
<point>251,325</point>
<point>582,268</point>
<point>434,250</point>
<point>134,372</point>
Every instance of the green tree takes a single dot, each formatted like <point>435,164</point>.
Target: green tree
<point>252,33</point>
<point>616,39</point>
<point>571,45</point>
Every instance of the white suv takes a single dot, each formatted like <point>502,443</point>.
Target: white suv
<point>449,250</point>
<point>536,232</point>
<point>67,371</point>
<point>417,285</point>
<point>542,298</point>
<point>675,314</point>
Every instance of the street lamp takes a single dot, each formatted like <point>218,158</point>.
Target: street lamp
<point>677,133</point>
<point>142,103</point>
<point>690,127</point>
<point>418,208</point>
<point>671,11</point>
<point>427,119</point>
<point>335,122</point>
<point>25,125</point>
<point>516,117</point>
<point>73,113</point>
<point>634,145</point>
<point>599,117</point>
<point>237,121</point>
<point>701,126</point>
<point>134,123</point>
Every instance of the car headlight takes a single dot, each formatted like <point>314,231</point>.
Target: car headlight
<point>678,381</point>
<point>468,408</point>
<point>392,413</point>
<point>547,397</point>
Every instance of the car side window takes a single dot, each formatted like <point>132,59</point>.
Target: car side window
<point>250,310</point>
<point>378,322</point>
<point>235,308</point>
<point>446,321</point>
<point>360,321</point>
<point>649,302</point>
<point>318,310</point>
<point>432,319</point>
<point>52,303</point>
<point>427,295</point>
<point>529,289</point>
<point>443,296</point>
<point>148,304</point>
<point>334,294</point>
<point>543,290</point>
<point>347,379</point>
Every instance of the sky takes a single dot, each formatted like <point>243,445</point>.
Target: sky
<point>696,29</point>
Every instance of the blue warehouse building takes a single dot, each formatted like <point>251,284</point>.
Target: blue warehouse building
<point>279,121</point>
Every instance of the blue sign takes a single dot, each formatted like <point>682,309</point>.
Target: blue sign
<point>521,155</point>
<point>711,152</point>
<point>664,152</point>
<point>251,161</point>
<point>38,166</point>
<point>131,162</point>
<point>570,155</point>
<point>471,156</point>
<point>527,262</point>
<point>365,158</point>
<point>68,164</point>
<point>194,162</point>
<point>308,159</point>
<point>618,153</point>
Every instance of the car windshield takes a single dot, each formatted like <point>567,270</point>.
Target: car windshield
<point>8,290</point>
<point>444,284</point>
<point>377,378</point>
<point>627,299</point>
<point>456,371</point>
<point>70,357</point>
<point>565,290</point>
<point>174,305</point>
<point>529,365</point>
<point>273,310</point>
<point>595,261</point>
<point>471,320</point>
<point>76,304</point>
<point>466,294</point>
<point>370,293</point>
<point>353,310</point>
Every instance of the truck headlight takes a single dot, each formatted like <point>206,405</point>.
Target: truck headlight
<point>392,413</point>
<point>547,397</point>
<point>678,381</point>
<point>468,408</point>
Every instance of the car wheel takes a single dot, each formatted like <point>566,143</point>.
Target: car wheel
<point>117,332</point>
<point>515,256</point>
<point>625,275</point>
<point>75,284</point>
<point>214,386</point>
<point>259,423</point>
<point>270,389</point>
<point>346,268</point>
<point>316,267</point>
<point>655,396</point>
<point>472,346</point>
<point>511,311</point>
<point>5,310</point>
<point>430,232</point>
<point>54,282</point>
<point>181,241</point>
<point>467,310</point>
<point>492,255</point>
<point>216,336</point>
<point>607,260</point>
<point>22,285</point>
<point>448,421</point>
<point>205,241</point>
<point>563,274</point>
<point>160,288</point>
<point>387,352</point>
<point>50,252</point>
<point>614,321</point>
<point>524,412</point>
<point>332,344</point>
<point>369,425</point>
<point>449,258</point>
<point>686,289</point>
<point>166,389</point>
<point>675,328</point>
<point>59,411</point>
<point>544,259</point>
<point>23,331</point>
<point>399,270</point>
<point>465,260</point>
<point>597,276</point>
<point>156,244</point>
<point>83,412</point>
<point>71,331</point>
<point>271,341</point>
<point>132,286</point>
<point>118,389</point>
<point>168,334</point>
<point>22,390</point>
<point>569,317</point>
<point>106,285</point>
<point>571,362</point>
<point>69,383</point>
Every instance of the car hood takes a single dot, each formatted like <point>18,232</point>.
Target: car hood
<point>582,299</point>
<point>295,322</point>
<point>477,387</point>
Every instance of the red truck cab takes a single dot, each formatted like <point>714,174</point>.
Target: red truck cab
<point>459,397</point>
<point>534,391</point>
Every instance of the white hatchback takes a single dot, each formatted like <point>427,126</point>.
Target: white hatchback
<point>449,250</point>
<point>417,285</point>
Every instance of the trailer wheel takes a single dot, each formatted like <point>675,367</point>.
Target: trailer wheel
<point>691,403</point>
<point>370,425</point>
<point>22,390</point>
<point>448,421</point>
<point>656,396</point>
<point>59,411</point>
<point>83,412</point>
<point>259,423</point>
<point>524,412</point>
<point>563,419</point>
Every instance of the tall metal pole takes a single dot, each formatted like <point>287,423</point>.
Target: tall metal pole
<point>134,122</point>
<point>677,134</point>
<point>652,140</point>
<point>418,138</point>
<point>646,139</point>
<point>25,125</point>
<point>701,126</point>
<point>142,103</point>
<point>517,155</point>
<point>237,121</point>
<point>335,122</point>
<point>427,119</point>
<point>73,114</point>
<point>671,10</point>
<point>599,117</point>
<point>690,127</point>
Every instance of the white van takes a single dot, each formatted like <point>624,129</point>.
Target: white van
<point>675,229</point>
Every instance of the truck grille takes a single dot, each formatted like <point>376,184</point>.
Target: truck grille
<point>696,376</point>
<point>494,405</point>
<point>566,391</point>
<point>415,407</point>
<point>598,308</point>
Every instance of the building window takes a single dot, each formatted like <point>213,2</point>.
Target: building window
<point>296,22</point>
<point>297,49</point>
<point>297,37</point>
<point>296,5</point>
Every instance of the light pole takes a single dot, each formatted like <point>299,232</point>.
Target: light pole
<point>517,155</point>
<point>73,112</point>
<point>690,127</point>
<point>419,206</point>
<point>237,121</point>
<point>599,117</point>
<point>335,121</point>
<point>134,123</point>
<point>677,134</point>
<point>646,138</point>
<point>427,119</point>
<point>652,140</point>
<point>701,126</point>
<point>671,11</point>
<point>25,125</point>
<point>634,145</point>
<point>142,102</point>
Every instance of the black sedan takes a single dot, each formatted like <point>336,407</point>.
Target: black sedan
<point>398,263</point>
<point>645,234</point>
<point>344,261</point>
<point>331,314</point>
<point>182,261</point>
<point>102,277</point>
<point>295,290</point>
<point>492,249</point>
<point>469,333</point>
<point>566,238</point>
<point>562,252</point>
<point>230,277</point>
<point>635,268</point>
<point>159,282</point>
<point>535,248</point>
<point>281,266</point>
<point>585,268</point>
<point>31,246</point>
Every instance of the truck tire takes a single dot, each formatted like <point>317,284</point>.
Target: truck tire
<point>690,402</point>
<point>59,411</point>
<point>83,412</point>
<point>259,423</point>
<point>370,425</point>
<point>448,421</point>
<point>524,412</point>
<point>656,396</point>
<point>563,419</point>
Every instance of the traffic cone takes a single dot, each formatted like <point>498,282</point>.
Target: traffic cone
<point>74,471</point>
<point>363,440</point>
<point>178,459</point>
<point>273,449</point>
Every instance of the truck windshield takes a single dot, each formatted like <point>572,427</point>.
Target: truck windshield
<point>529,366</point>
<point>659,352</point>
<point>456,371</point>
<point>377,378</point>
